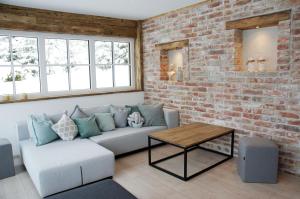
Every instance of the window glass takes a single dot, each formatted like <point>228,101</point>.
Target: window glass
<point>27,79</point>
<point>104,76</point>
<point>4,50</point>
<point>6,81</point>
<point>121,53</point>
<point>57,78</point>
<point>122,75</point>
<point>79,51</point>
<point>56,51</point>
<point>103,52</point>
<point>24,51</point>
<point>80,77</point>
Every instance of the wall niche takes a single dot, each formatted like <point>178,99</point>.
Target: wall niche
<point>174,60</point>
<point>259,44</point>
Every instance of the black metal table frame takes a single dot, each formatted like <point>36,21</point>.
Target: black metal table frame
<point>185,151</point>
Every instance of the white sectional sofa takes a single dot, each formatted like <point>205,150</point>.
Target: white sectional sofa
<point>63,165</point>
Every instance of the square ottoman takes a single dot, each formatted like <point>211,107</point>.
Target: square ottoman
<point>7,168</point>
<point>258,160</point>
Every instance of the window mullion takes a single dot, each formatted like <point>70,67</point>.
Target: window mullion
<point>42,64</point>
<point>12,66</point>
<point>68,65</point>
<point>92,65</point>
<point>112,65</point>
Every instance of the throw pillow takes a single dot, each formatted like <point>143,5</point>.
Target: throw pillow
<point>134,108</point>
<point>120,115</point>
<point>153,115</point>
<point>105,121</point>
<point>78,113</point>
<point>87,127</point>
<point>40,127</point>
<point>65,128</point>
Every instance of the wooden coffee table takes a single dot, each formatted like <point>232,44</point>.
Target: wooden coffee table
<point>189,137</point>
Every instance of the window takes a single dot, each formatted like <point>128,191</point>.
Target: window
<point>67,64</point>
<point>112,64</point>
<point>54,64</point>
<point>19,65</point>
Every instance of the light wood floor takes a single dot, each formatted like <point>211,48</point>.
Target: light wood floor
<point>145,182</point>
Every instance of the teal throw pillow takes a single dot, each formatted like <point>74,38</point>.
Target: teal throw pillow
<point>87,127</point>
<point>105,121</point>
<point>40,129</point>
<point>153,115</point>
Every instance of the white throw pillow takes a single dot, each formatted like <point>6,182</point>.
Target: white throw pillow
<point>65,128</point>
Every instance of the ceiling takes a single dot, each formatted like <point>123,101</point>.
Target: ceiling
<point>126,9</point>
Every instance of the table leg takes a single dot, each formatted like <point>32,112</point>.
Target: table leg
<point>149,150</point>
<point>185,164</point>
<point>232,144</point>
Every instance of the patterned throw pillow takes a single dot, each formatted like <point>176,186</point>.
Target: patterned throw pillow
<point>65,128</point>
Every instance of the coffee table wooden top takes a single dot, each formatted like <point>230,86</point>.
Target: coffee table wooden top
<point>191,134</point>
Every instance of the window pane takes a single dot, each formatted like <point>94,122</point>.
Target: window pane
<point>27,79</point>
<point>79,51</point>
<point>24,51</point>
<point>122,75</point>
<point>121,53</point>
<point>6,81</point>
<point>56,51</point>
<point>4,50</point>
<point>57,78</point>
<point>80,77</point>
<point>103,52</point>
<point>104,76</point>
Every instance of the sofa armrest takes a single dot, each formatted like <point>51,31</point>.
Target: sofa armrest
<point>172,118</point>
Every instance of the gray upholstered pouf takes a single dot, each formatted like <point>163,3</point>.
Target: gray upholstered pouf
<point>258,160</point>
<point>6,164</point>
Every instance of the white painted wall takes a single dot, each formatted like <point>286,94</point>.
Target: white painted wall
<point>11,113</point>
<point>261,42</point>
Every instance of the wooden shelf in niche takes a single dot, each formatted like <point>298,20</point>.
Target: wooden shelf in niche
<point>253,29</point>
<point>259,21</point>
<point>165,49</point>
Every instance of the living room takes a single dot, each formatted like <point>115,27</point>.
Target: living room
<point>149,99</point>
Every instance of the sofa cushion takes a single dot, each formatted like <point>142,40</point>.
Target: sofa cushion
<point>41,129</point>
<point>120,115</point>
<point>65,128</point>
<point>87,127</point>
<point>78,113</point>
<point>123,140</point>
<point>105,121</point>
<point>62,165</point>
<point>153,115</point>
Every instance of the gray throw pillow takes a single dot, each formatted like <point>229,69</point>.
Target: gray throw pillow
<point>105,121</point>
<point>120,115</point>
<point>78,113</point>
<point>153,115</point>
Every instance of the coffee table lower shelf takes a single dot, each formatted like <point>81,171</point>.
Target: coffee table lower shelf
<point>185,151</point>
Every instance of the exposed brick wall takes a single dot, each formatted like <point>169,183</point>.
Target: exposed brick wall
<point>256,104</point>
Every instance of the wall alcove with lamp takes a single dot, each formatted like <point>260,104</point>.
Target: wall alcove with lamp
<point>174,60</point>
<point>261,43</point>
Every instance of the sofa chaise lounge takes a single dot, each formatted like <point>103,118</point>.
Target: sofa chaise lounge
<point>63,165</point>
